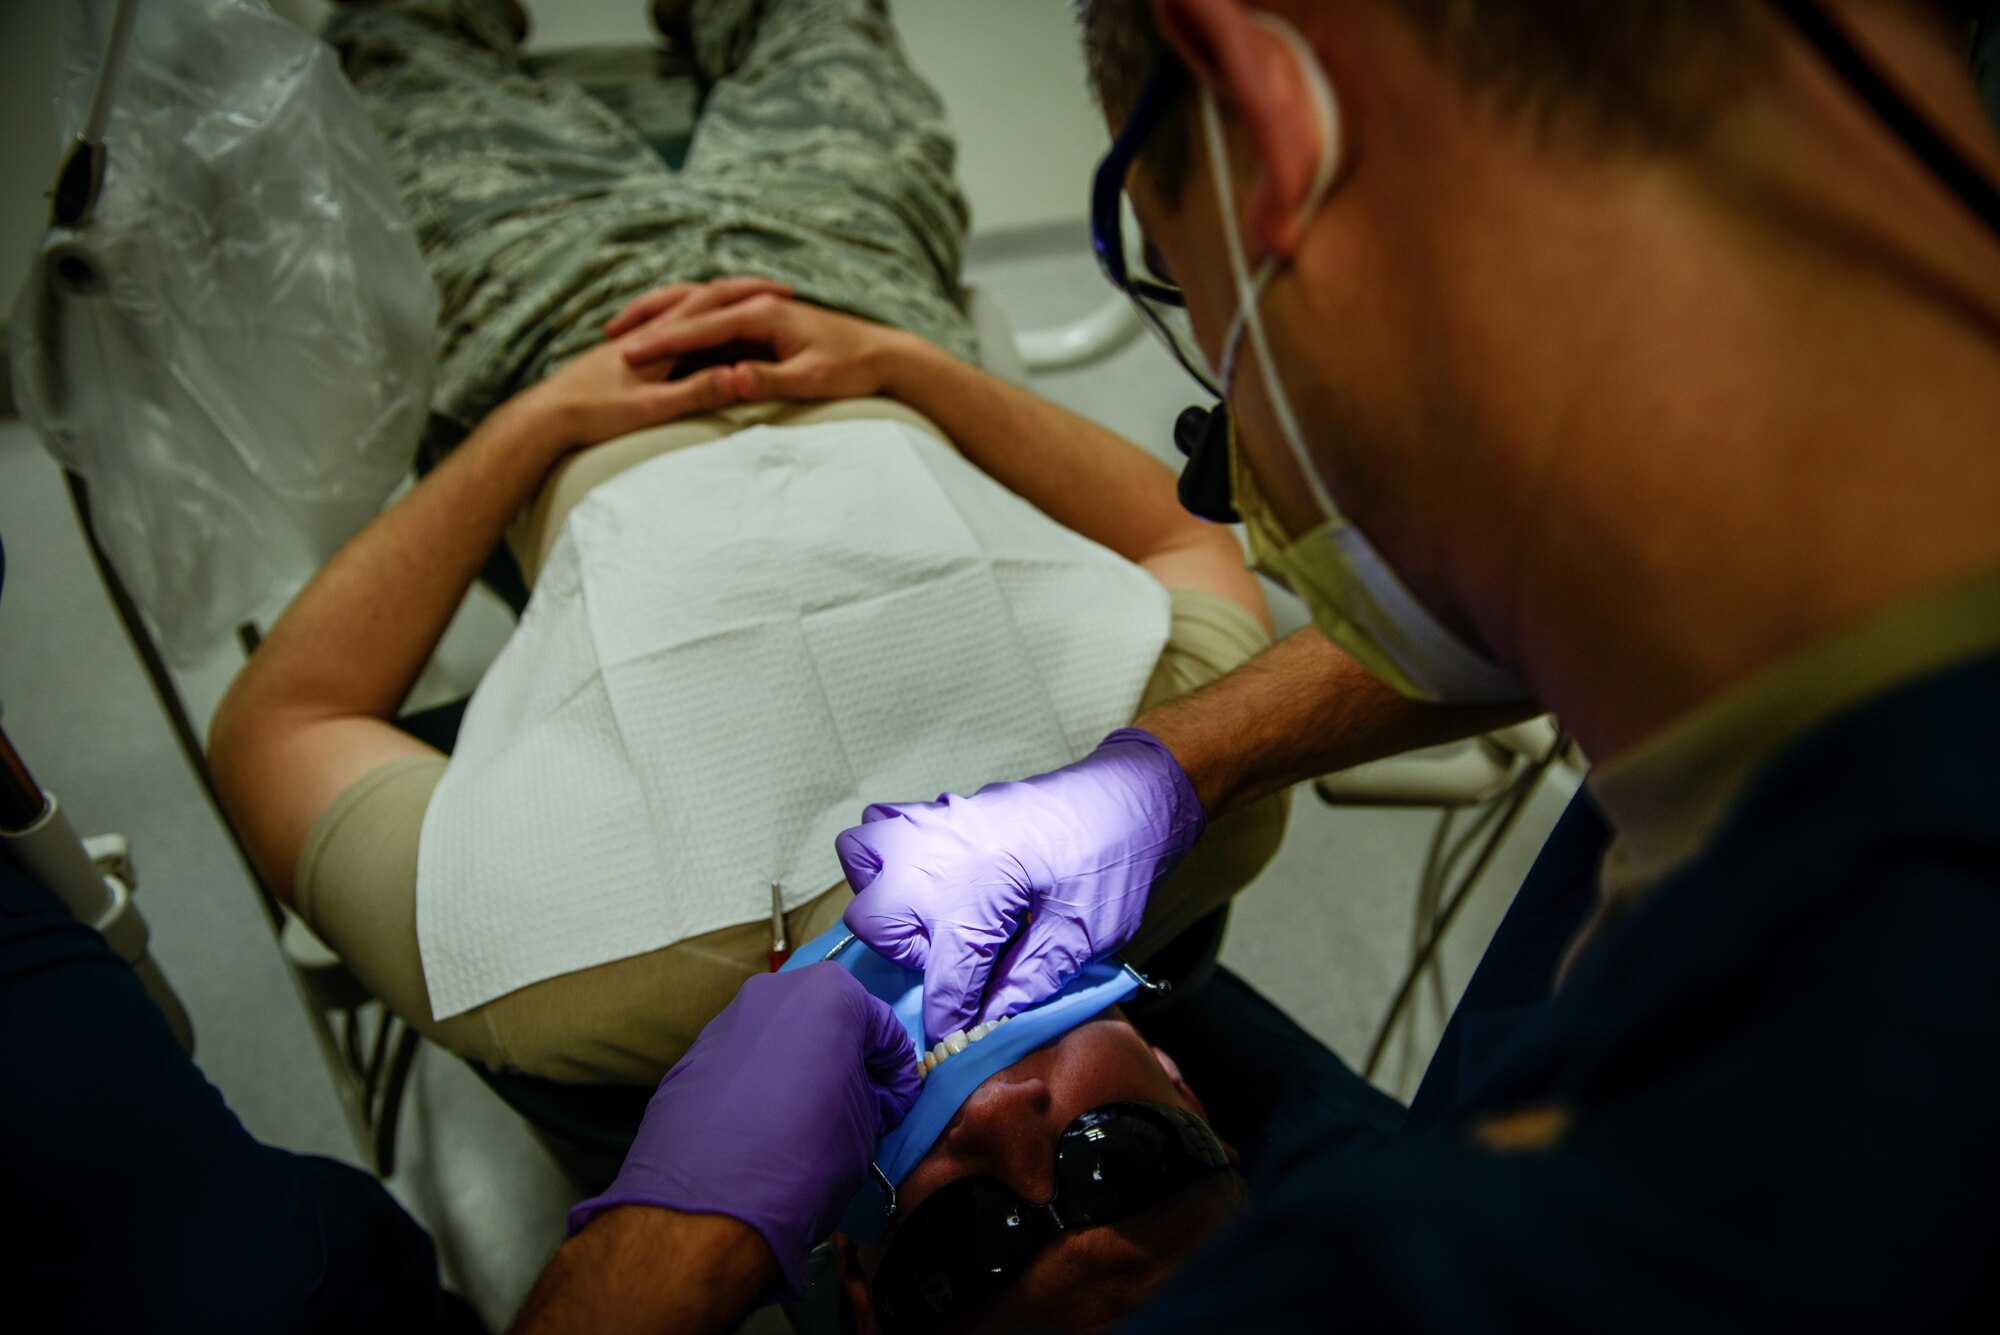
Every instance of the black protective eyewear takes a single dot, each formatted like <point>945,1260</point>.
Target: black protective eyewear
<point>973,1237</point>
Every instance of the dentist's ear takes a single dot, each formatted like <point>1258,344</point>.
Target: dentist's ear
<point>1264,77</point>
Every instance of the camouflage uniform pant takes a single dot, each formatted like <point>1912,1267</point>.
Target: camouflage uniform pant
<point>819,158</point>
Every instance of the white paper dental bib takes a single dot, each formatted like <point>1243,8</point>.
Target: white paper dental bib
<point>730,650</point>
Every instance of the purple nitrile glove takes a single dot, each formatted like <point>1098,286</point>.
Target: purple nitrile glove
<point>945,886</point>
<point>772,1116</point>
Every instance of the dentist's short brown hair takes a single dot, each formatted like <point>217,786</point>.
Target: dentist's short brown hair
<point>1634,74</point>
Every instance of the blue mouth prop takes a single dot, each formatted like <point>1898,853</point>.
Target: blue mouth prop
<point>1101,985</point>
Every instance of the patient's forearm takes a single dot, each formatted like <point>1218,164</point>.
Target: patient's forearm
<point>1073,470</point>
<point>1077,473</point>
<point>1301,709</point>
<point>1065,464</point>
<point>311,713</point>
<point>354,640</point>
<point>639,1269</point>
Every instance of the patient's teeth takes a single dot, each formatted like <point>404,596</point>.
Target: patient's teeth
<point>952,1044</point>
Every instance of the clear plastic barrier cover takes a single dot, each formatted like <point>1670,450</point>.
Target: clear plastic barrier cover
<point>235,349</point>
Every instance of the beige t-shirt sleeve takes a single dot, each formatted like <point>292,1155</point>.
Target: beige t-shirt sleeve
<point>368,836</point>
<point>624,1021</point>
<point>356,887</point>
<point>1210,636</point>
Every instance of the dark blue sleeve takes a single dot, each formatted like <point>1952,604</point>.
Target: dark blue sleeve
<point>135,1199</point>
<point>1270,1089</point>
<point>1518,971</point>
<point>1797,1135</point>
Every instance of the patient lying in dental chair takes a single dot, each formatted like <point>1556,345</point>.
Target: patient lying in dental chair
<point>338,806</point>
<point>679,396</point>
<point>740,386</point>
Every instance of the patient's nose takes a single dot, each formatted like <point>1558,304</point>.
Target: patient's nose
<point>1003,1132</point>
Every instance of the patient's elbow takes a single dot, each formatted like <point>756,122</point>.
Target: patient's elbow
<point>1207,557</point>
<point>245,765</point>
<point>229,733</point>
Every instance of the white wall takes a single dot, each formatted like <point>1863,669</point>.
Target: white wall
<point>29,153</point>
<point>1012,76</point>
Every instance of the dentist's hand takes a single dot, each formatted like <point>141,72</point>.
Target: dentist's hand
<point>772,1116</point>
<point>1064,860</point>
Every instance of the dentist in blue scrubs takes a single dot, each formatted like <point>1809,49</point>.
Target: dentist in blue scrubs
<point>1636,362</point>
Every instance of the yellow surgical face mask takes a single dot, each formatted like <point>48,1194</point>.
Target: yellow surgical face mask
<point>1357,602</point>
<point>1355,599</point>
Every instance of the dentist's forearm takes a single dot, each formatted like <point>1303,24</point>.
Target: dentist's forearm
<point>639,1270</point>
<point>1301,709</point>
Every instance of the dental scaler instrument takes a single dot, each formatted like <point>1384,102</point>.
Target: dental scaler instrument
<point>780,951</point>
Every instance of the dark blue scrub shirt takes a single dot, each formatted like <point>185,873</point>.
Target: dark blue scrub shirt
<point>1766,1096</point>
<point>134,1199</point>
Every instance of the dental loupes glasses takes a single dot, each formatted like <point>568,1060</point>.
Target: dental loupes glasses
<point>1160,303</point>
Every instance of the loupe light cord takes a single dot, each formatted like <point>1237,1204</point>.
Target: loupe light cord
<point>1972,186</point>
<point>115,45</point>
<point>1511,805</point>
<point>81,177</point>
